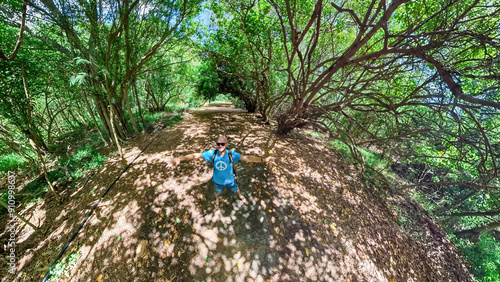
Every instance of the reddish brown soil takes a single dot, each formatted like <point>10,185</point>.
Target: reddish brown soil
<point>309,217</point>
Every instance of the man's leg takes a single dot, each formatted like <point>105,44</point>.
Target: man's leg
<point>234,188</point>
<point>218,190</point>
<point>241,197</point>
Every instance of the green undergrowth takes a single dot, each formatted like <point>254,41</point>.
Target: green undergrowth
<point>11,162</point>
<point>378,166</point>
<point>30,194</point>
<point>178,107</point>
<point>85,158</point>
<point>161,117</point>
<point>64,267</point>
<point>85,154</point>
<point>80,152</point>
<point>483,255</point>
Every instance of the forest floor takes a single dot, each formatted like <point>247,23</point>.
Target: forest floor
<point>310,216</point>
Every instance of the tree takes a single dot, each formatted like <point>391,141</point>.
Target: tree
<point>115,41</point>
<point>246,53</point>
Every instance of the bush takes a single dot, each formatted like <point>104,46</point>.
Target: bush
<point>85,158</point>
<point>10,162</point>
<point>484,257</point>
<point>63,268</point>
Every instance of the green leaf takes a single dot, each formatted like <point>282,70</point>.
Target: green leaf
<point>78,79</point>
<point>82,61</point>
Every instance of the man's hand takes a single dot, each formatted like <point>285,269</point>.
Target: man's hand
<point>270,159</point>
<point>173,162</point>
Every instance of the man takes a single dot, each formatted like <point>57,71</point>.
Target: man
<point>223,175</point>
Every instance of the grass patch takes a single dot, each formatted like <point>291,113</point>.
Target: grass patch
<point>85,158</point>
<point>177,107</point>
<point>314,134</point>
<point>11,162</point>
<point>159,117</point>
<point>63,268</point>
<point>150,118</point>
<point>342,148</point>
<point>374,160</point>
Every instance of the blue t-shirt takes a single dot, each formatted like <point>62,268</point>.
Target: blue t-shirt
<point>223,168</point>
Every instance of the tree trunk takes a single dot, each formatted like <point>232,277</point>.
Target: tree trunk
<point>121,125</point>
<point>113,131</point>
<point>129,110</point>
<point>103,114</point>
<point>20,36</point>
<point>89,109</point>
<point>288,121</point>
<point>139,104</point>
<point>34,140</point>
<point>156,107</point>
<point>80,114</point>
<point>58,126</point>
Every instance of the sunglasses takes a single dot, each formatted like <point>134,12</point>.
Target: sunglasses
<point>220,144</point>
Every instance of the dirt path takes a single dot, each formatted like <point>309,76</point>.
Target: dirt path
<point>309,217</point>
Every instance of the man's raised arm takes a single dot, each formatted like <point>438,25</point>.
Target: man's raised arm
<point>256,159</point>
<point>175,161</point>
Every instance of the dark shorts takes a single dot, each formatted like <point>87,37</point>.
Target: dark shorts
<point>220,188</point>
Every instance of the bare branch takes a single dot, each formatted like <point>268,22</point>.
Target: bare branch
<point>471,213</point>
<point>19,37</point>
<point>351,12</point>
<point>473,185</point>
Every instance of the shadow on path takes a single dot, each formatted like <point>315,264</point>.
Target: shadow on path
<point>309,217</point>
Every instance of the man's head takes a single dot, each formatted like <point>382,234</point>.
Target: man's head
<point>221,143</point>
